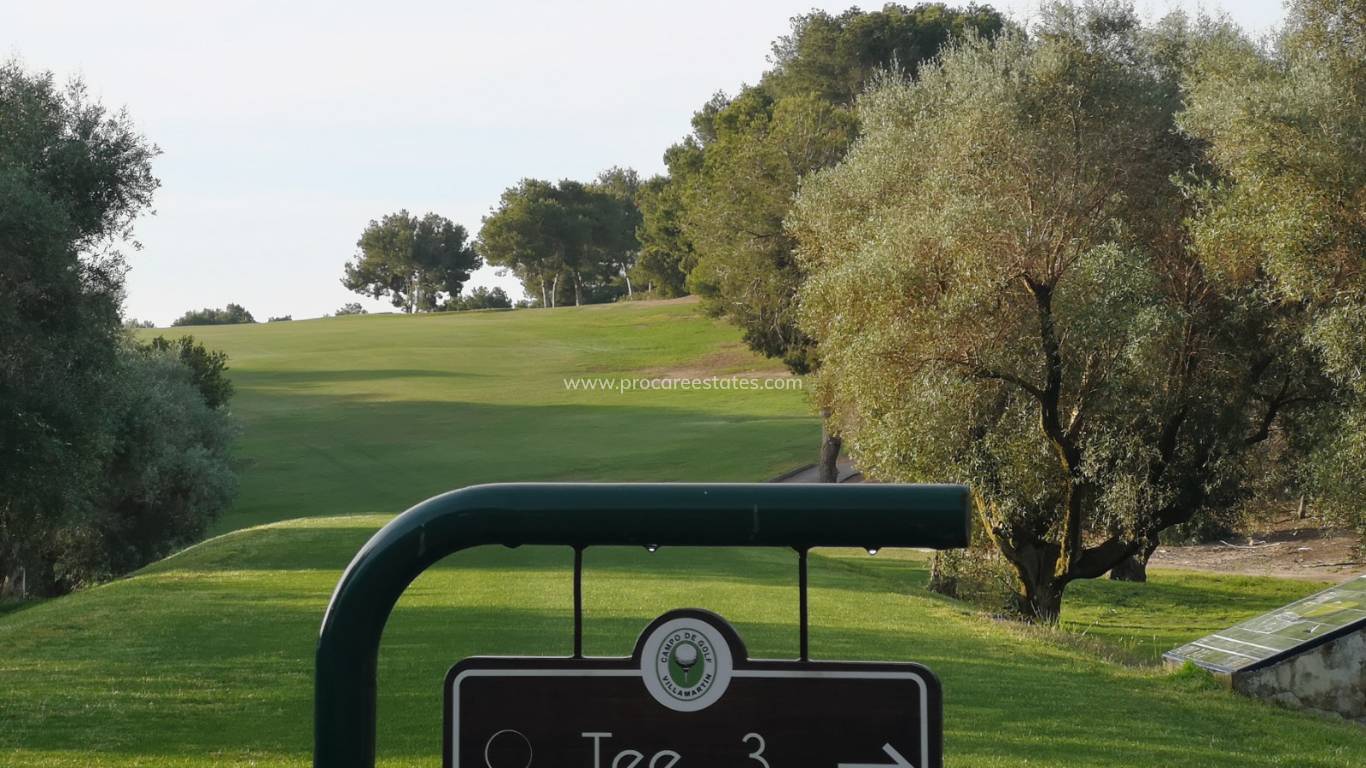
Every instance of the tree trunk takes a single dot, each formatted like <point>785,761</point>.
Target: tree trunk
<point>544,304</point>
<point>1040,603</point>
<point>554,289</point>
<point>578,300</point>
<point>1134,567</point>
<point>14,582</point>
<point>1038,588</point>
<point>828,470</point>
<point>1303,510</point>
<point>629,293</point>
<point>942,580</point>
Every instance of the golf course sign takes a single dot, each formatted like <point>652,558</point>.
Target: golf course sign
<point>690,696</point>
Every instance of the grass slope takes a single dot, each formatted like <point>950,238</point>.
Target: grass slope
<point>205,659</point>
<point>375,413</point>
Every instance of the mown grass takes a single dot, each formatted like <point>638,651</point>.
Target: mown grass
<point>1175,607</point>
<point>205,658</point>
<point>374,413</point>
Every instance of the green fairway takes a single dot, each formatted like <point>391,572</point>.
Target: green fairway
<point>1143,621</point>
<point>376,413</point>
<point>205,659</point>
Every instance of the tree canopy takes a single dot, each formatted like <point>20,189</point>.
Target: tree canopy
<point>232,314</point>
<point>416,262</point>
<point>109,455</point>
<point>666,256</point>
<point>719,217</point>
<point>1284,216</point>
<point>480,298</point>
<point>1005,295</point>
<point>566,241</point>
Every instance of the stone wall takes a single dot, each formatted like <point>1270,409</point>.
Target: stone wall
<point>1329,678</point>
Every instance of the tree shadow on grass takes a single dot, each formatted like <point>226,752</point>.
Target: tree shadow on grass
<point>211,674</point>
<point>333,455</point>
<point>307,379</point>
<point>330,548</point>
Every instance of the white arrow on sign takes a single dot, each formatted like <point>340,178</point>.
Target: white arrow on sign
<point>898,761</point>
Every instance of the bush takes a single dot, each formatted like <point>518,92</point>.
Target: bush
<point>73,178</point>
<point>230,315</point>
<point>976,575</point>
<point>280,319</point>
<point>165,477</point>
<point>351,308</point>
<point>208,370</point>
<point>479,298</point>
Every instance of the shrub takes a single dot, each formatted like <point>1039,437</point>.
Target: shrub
<point>229,315</point>
<point>164,477</point>
<point>479,298</point>
<point>208,370</point>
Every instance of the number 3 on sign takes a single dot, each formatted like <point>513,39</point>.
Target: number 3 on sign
<point>758,754</point>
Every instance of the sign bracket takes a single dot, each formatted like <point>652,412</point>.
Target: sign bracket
<point>578,602</point>
<point>804,652</point>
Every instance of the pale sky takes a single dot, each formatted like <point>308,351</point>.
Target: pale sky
<point>286,126</point>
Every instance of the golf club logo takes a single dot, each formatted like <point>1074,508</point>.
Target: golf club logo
<point>686,664</point>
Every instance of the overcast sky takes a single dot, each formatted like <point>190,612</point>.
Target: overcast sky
<point>286,126</point>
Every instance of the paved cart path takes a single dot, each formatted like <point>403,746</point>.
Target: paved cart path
<point>809,474</point>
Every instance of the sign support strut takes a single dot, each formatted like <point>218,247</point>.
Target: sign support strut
<point>802,623</point>
<point>578,602</point>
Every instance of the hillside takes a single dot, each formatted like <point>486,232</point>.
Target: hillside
<point>205,659</point>
<point>375,413</point>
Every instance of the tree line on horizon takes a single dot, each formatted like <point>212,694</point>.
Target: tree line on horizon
<point>728,186</point>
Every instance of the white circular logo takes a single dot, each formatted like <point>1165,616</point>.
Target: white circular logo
<point>686,664</point>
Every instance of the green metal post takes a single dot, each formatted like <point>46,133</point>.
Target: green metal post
<point>720,515</point>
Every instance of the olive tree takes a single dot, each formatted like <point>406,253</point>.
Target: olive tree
<point>111,453</point>
<point>1286,213</point>
<point>753,150</point>
<point>73,178</point>
<point>1004,295</point>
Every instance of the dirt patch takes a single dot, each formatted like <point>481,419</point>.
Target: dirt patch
<point>1286,547</point>
<point>733,359</point>
<point>665,302</point>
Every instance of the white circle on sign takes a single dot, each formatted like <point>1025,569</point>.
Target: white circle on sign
<point>686,664</point>
<point>510,745</point>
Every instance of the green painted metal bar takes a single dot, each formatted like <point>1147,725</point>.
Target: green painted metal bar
<point>579,515</point>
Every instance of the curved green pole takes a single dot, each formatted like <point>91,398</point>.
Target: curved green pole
<point>740,514</point>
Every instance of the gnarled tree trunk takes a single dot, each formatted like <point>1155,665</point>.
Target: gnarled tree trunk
<point>1134,567</point>
<point>1039,588</point>
<point>1040,602</point>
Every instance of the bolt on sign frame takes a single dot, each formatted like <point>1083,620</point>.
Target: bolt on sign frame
<point>579,515</point>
